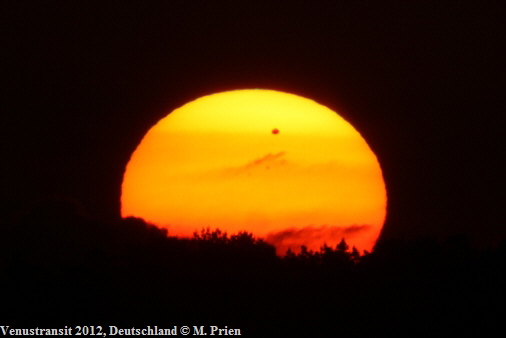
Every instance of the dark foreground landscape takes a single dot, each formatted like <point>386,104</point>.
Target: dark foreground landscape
<point>60,268</point>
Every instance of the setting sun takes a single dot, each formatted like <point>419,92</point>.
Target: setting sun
<point>278,165</point>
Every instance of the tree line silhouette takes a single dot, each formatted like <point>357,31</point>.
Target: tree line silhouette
<point>59,267</point>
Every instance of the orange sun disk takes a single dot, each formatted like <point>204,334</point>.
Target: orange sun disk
<point>218,162</point>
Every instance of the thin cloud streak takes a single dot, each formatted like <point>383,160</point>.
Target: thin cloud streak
<point>312,236</point>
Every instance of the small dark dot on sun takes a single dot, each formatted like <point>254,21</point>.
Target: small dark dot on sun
<point>275,131</point>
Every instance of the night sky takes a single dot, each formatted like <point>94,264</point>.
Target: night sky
<point>422,81</point>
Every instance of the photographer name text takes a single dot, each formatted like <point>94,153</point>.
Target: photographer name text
<point>202,330</point>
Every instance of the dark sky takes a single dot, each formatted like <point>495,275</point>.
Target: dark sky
<point>423,81</point>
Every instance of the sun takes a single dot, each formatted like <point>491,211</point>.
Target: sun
<point>278,165</point>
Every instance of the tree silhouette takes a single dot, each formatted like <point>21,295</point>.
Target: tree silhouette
<point>130,270</point>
